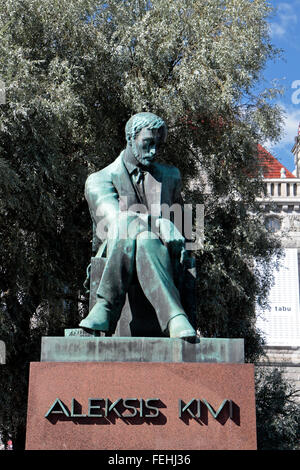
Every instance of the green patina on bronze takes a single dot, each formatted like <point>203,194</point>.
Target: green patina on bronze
<point>140,245</point>
<point>104,349</point>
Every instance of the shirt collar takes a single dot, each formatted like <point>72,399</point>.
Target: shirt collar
<point>130,161</point>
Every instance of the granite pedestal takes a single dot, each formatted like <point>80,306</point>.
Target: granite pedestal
<point>141,393</point>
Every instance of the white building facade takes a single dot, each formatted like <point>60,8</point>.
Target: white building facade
<point>280,324</point>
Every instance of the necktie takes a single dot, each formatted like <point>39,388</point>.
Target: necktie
<point>139,177</point>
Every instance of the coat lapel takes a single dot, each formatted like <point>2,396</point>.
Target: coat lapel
<point>156,185</point>
<point>122,182</point>
<point>153,192</point>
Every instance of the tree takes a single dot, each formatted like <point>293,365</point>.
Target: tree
<point>74,72</point>
<point>277,411</point>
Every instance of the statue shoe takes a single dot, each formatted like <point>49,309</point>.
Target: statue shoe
<point>98,318</point>
<point>180,327</point>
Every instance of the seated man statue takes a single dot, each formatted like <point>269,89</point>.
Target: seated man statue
<point>125,200</point>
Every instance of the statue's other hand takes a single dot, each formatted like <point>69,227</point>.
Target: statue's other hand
<point>169,233</point>
<point>184,256</point>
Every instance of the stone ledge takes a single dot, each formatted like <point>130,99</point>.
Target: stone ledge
<point>142,349</point>
<point>269,349</point>
<point>281,356</point>
<point>278,363</point>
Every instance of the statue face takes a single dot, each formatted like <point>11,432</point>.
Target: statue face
<point>146,145</point>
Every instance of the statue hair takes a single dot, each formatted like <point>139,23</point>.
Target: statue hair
<point>140,120</point>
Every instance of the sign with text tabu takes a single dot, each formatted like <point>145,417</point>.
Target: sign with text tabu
<point>281,323</point>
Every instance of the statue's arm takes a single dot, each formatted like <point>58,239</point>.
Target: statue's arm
<point>185,256</point>
<point>102,198</point>
<point>103,201</point>
<point>170,231</point>
<point>177,196</point>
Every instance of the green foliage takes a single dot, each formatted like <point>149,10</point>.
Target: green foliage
<point>74,72</point>
<point>277,411</point>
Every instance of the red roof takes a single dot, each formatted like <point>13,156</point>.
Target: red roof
<point>270,165</point>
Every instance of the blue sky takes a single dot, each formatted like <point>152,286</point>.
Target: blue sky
<point>285,34</point>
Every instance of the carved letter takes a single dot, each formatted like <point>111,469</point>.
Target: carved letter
<point>152,408</point>
<point>93,406</point>
<point>186,408</point>
<point>62,409</point>
<point>109,408</point>
<point>216,414</point>
<point>129,407</point>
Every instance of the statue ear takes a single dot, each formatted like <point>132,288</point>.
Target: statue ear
<point>129,140</point>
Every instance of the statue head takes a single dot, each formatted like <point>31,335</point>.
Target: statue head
<point>145,132</point>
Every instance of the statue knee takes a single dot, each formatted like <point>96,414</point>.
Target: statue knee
<point>148,241</point>
<point>119,227</point>
<point>127,225</point>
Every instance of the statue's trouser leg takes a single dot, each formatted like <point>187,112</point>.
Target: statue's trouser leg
<point>145,252</point>
<point>120,265</point>
<point>117,276</point>
<point>155,275</point>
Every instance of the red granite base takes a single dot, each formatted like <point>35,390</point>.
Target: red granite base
<point>141,423</point>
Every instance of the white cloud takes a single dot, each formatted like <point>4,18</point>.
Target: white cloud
<point>286,18</point>
<point>292,121</point>
<point>290,128</point>
<point>277,30</point>
<point>282,150</point>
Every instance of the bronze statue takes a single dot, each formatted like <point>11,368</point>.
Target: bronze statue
<point>125,200</point>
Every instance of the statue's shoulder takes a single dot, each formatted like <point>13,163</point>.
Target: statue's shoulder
<point>103,175</point>
<point>170,171</point>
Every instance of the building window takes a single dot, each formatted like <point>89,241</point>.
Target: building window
<point>273,224</point>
